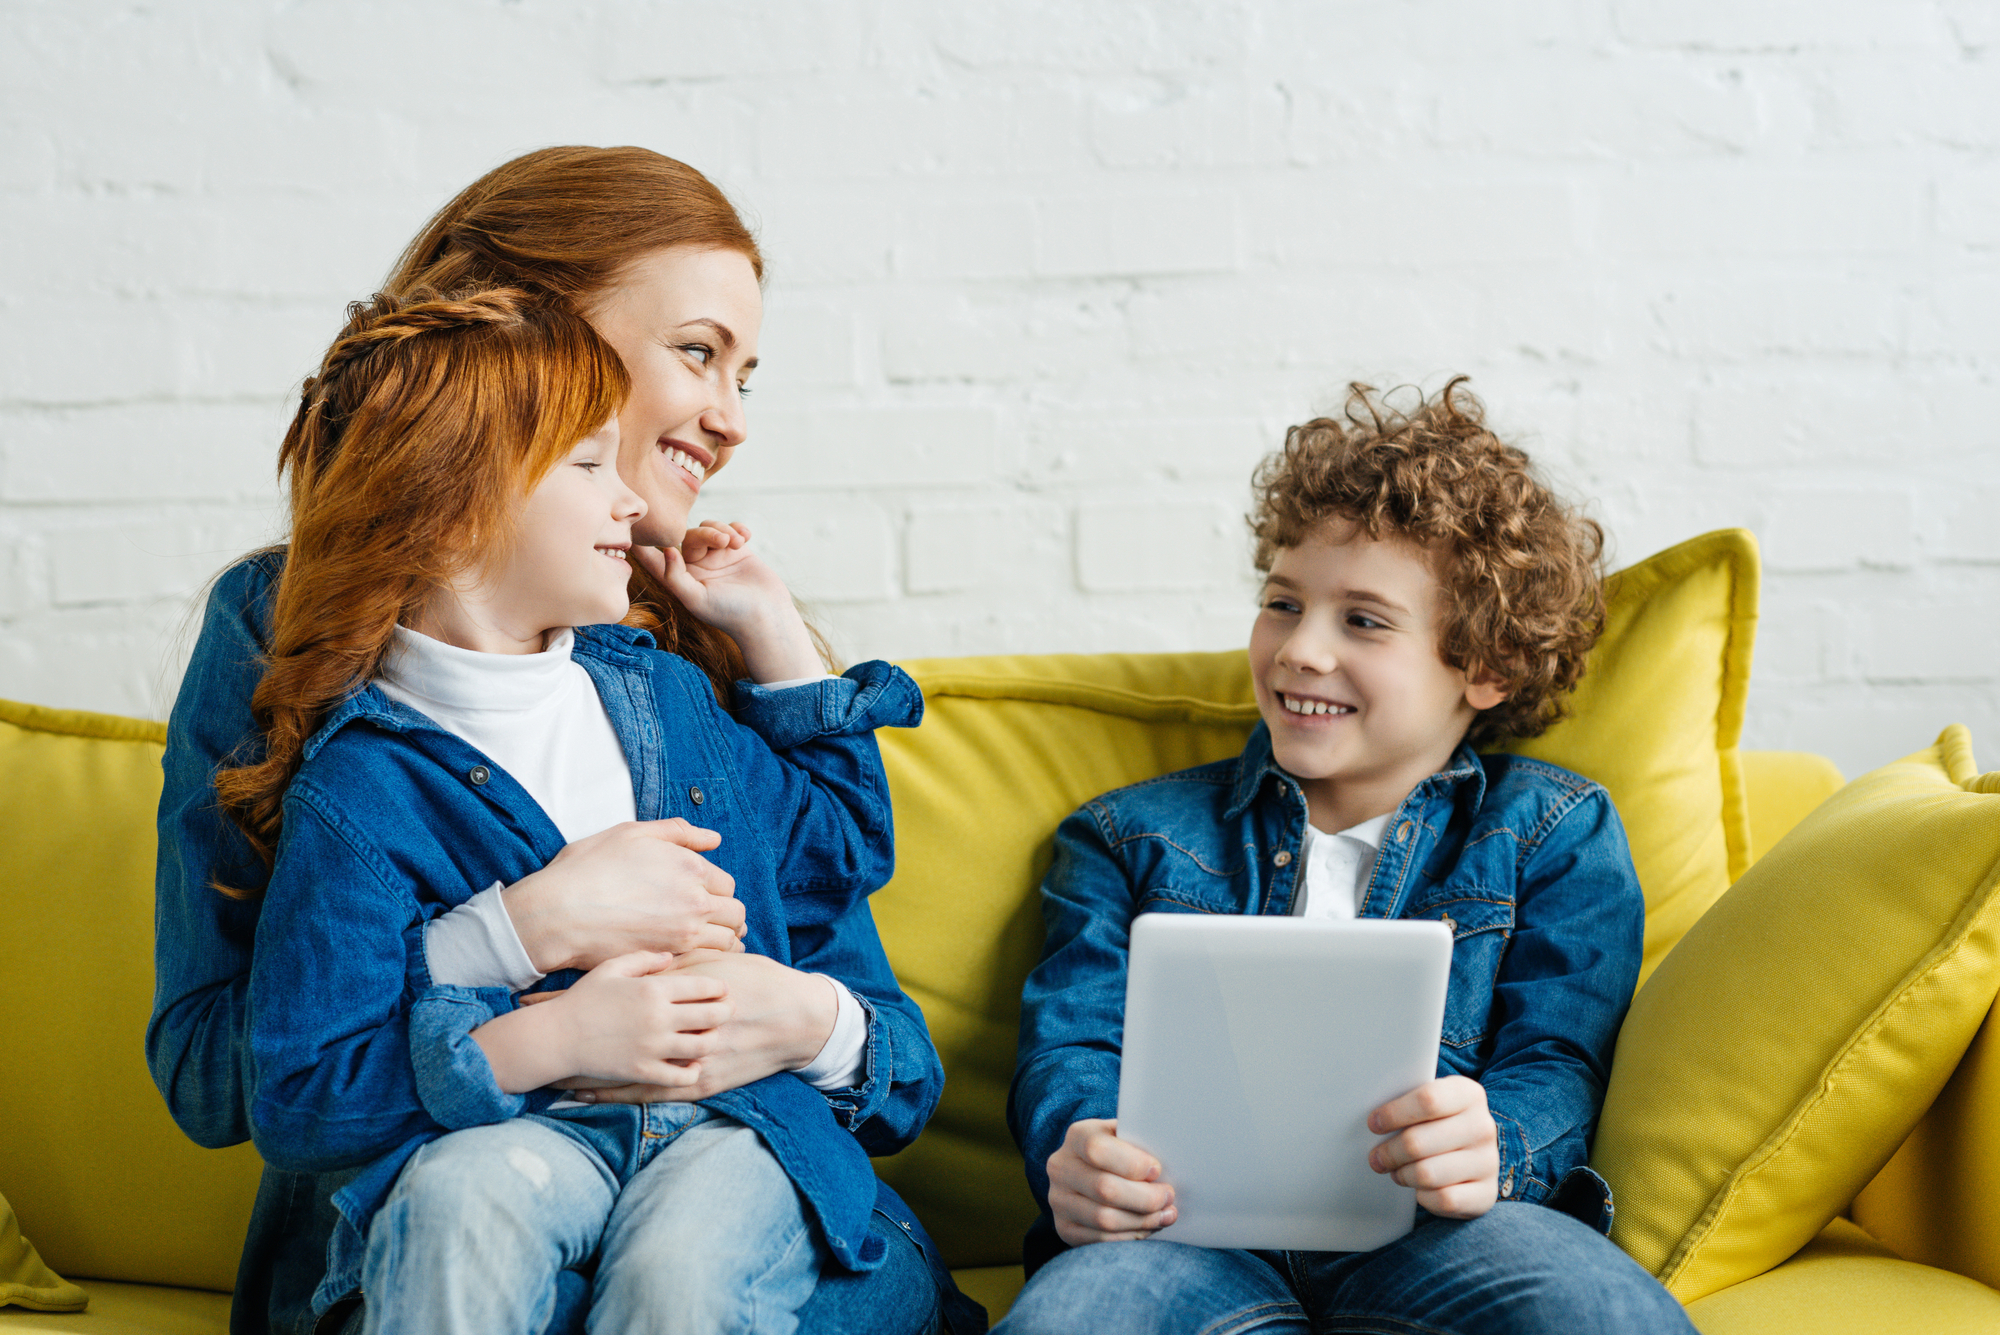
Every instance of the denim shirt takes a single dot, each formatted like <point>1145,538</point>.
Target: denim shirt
<point>1524,862</point>
<point>385,829</point>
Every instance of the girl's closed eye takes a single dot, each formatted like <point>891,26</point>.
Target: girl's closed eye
<point>1365,621</point>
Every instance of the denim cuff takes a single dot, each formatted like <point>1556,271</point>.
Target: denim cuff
<point>857,1103</point>
<point>1517,1163</point>
<point>866,697</point>
<point>454,1080</point>
<point>1583,1195</point>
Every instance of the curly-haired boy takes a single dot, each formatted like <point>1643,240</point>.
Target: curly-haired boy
<point>1424,594</point>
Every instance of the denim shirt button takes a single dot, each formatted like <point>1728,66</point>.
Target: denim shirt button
<point>696,796</point>
<point>1282,858</point>
<point>1402,832</point>
<point>479,774</point>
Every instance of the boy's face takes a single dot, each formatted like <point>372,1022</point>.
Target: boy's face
<point>1344,654</point>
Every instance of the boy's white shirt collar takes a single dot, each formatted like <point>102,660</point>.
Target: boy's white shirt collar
<point>1369,831</point>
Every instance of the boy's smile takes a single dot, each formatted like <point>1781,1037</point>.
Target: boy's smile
<point>1344,654</point>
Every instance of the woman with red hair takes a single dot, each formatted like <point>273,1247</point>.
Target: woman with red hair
<point>653,257</point>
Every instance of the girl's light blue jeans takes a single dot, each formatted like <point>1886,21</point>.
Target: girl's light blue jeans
<point>693,1225</point>
<point>1519,1269</point>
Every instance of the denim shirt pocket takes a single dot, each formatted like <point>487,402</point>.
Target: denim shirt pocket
<point>1481,926</point>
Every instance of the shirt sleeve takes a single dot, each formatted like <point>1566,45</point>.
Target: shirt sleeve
<point>1073,1004</point>
<point>475,945</point>
<point>1561,994</point>
<point>195,1038</point>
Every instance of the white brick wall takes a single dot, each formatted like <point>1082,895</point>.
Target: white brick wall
<point>1046,280</point>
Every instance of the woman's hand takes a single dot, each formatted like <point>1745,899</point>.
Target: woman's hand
<point>1103,1189</point>
<point>716,576</point>
<point>633,1018</point>
<point>1446,1146</point>
<point>642,885</point>
<point>779,1019</point>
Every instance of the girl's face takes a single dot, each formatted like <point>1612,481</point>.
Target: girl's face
<point>566,567</point>
<point>686,322</point>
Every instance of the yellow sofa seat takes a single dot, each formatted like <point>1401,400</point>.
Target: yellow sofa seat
<point>116,1199</point>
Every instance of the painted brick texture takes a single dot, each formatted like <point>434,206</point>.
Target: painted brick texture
<point>1048,278</point>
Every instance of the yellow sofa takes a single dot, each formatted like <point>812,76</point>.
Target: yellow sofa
<point>115,1198</point>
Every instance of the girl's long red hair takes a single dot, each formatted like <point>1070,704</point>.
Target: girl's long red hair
<point>567,222</point>
<point>428,422</point>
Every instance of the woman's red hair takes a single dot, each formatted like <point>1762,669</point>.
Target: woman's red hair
<point>429,421</point>
<point>568,223</point>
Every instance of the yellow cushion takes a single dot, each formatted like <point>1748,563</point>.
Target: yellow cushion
<point>1658,720</point>
<point>1938,1201</point>
<point>24,1280</point>
<point>1798,1032</point>
<point>130,1309</point>
<point>1010,746</point>
<point>1846,1283</point>
<point>1783,788</point>
<point>103,1180</point>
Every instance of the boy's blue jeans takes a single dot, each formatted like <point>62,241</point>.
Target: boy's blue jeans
<point>693,1225</point>
<point>1519,1269</point>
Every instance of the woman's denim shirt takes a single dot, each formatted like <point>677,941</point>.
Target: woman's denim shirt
<point>1524,862</point>
<point>344,1055</point>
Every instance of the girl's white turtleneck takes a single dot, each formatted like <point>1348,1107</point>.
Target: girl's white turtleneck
<point>538,716</point>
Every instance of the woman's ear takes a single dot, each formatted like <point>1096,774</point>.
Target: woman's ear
<point>1485,688</point>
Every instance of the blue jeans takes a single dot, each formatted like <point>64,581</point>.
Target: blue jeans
<point>693,1224</point>
<point>1519,1269</point>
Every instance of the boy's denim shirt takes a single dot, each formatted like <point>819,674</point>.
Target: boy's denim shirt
<point>354,1058</point>
<point>1524,862</point>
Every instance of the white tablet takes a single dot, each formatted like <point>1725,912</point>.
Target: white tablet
<point>1255,1048</point>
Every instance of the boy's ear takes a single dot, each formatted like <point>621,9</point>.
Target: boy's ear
<point>1485,688</point>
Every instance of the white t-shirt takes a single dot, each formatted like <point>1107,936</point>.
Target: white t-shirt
<point>538,716</point>
<point>1337,869</point>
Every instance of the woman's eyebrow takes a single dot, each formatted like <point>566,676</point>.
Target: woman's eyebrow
<point>723,334</point>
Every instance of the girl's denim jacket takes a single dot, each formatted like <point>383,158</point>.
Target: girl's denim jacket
<point>350,1058</point>
<point>1526,863</point>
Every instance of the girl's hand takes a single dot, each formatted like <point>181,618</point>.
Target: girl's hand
<point>1103,1189</point>
<point>717,577</point>
<point>779,1020</point>
<point>642,885</point>
<point>631,1019</point>
<point>1447,1146</point>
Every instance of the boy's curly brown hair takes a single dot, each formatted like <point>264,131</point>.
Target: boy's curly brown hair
<point>1522,571</point>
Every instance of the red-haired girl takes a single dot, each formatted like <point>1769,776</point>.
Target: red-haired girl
<point>657,262</point>
<point>449,702</point>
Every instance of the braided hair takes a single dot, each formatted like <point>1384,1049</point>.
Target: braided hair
<point>429,420</point>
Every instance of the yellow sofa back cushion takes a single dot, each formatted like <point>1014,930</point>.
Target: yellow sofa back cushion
<point>1801,1029</point>
<point>1009,746</point>
<point>101,1178</point>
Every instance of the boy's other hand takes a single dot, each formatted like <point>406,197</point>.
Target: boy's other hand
<point>1445,1146</point>
<point>1103,1189</point>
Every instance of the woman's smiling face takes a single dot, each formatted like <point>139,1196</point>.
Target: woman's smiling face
<point>685,321</point>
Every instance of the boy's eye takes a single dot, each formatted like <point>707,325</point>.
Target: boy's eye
<point>1362,621</point>
<point>1280,605</point>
